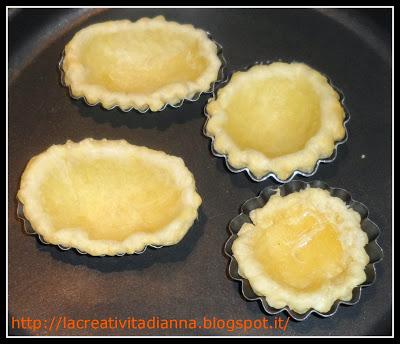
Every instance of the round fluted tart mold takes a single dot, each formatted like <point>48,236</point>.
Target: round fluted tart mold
<point>273,175</point>
<point>373,250</point>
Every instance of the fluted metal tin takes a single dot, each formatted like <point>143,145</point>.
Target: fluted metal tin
<point>194,98</point>
<point>373,249</point>
<point>272,174</point>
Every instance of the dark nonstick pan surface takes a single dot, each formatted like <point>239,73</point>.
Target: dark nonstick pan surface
<point>189,280</point>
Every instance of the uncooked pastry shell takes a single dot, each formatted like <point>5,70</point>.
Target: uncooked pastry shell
<point>147,53</point>
<point>320,147</point>
<point>171,173</point>
<point>278,295</point>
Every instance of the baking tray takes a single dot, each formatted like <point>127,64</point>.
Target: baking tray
<point>189,280</point>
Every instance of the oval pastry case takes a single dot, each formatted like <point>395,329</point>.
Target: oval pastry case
<point>189,280</point>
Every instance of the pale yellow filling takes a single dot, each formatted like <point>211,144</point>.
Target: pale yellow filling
<point>110,198</point>
<point>141,61</point>
<point>275,116</point>
<point>300,248</point>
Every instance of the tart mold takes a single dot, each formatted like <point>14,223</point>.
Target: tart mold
<point>29,230</point>
<point>373,249</point>
<point>272,174</point>
<point>195,97</point>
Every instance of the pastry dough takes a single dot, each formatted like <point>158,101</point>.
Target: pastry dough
<point>304,250</point>
<point>144,64</point>
<point>276,118</point>
<point>108,197</point>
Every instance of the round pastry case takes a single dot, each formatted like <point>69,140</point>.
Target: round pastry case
<point>190,280</point>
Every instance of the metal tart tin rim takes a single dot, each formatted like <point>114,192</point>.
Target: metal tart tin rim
<point>273,174</point>
<point>294,186</point>
<point>195,97</point>
<point>28,229</point>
